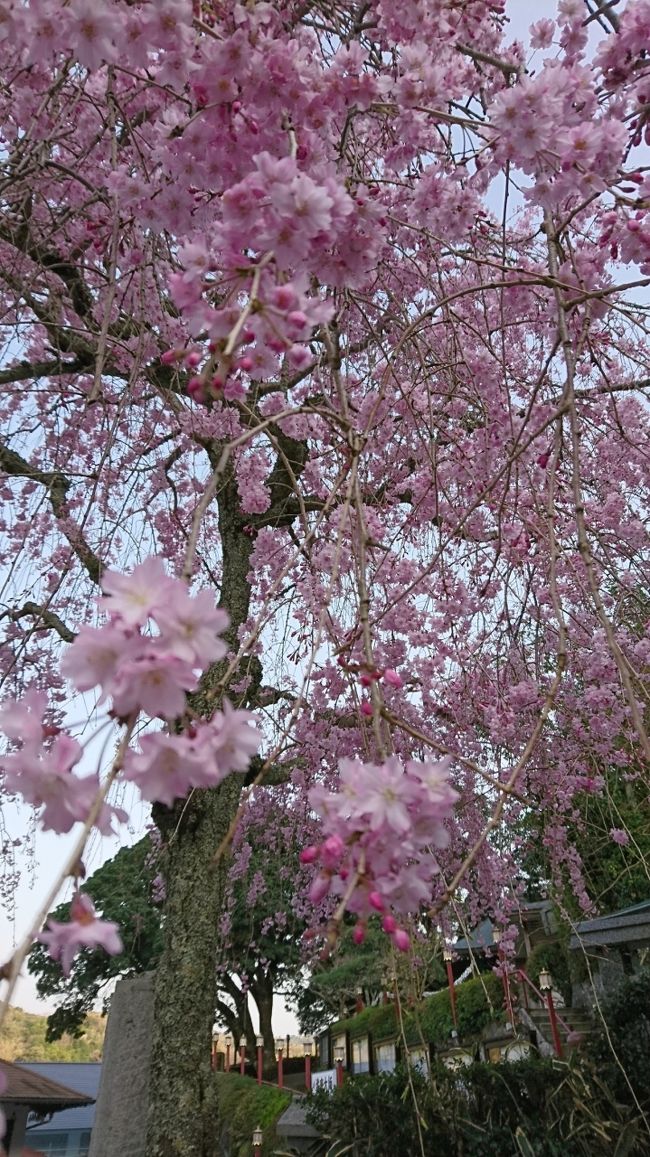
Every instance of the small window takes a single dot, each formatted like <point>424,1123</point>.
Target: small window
<point>386,1056</point>
<point>53,1144</point>
<point>360,1056</point>
<point>419,1059</point>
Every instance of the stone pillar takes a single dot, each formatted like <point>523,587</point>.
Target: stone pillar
<point>121,1114</point>
<point>18,1131</point>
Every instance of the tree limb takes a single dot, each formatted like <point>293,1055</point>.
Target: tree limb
<point>49,620</point>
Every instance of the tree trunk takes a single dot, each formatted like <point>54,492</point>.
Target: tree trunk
<point>182,1110</point>
<point>243,1016</point>
<point>262,991</point>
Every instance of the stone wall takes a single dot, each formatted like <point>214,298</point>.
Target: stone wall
<point>121,1113</point>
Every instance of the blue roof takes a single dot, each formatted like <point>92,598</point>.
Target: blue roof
<point>83,1078</point>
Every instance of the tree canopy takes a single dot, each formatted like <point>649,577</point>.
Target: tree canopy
<point>324,458</point>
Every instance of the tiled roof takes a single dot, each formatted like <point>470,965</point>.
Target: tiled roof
<point>23,1087</point>
<point>83,1077</point>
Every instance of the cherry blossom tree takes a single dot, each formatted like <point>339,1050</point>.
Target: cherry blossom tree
<point>325,451</point>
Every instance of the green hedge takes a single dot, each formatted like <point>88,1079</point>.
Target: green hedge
<point>478,1002</point>
<point>243,1105</point>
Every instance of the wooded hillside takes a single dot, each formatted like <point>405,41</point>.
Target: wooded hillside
<point>23,1039</point>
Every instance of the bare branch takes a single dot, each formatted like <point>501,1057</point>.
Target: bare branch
<point>57,486</point>
<point>49,620</point>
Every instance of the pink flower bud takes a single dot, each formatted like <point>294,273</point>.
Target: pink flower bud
<point>169,357</point>
<point>284,297</point>
<point>392,678</point>
<point>366,708</point>
<point>359,933</point>
<point>376,901</point>
<point>332,850</point>
<point>366,681</point>
<point>193,359</point>
<point>299,356</point>
<point>195,389</point>
<point>297,319</point>
<point>246,364</point>
<point>309,854</point>
<point>401,940</point>
<point>389,924</point>
<point>319,888</point>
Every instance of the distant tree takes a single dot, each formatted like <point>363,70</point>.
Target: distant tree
<point>122,891</point>
<point>262,951</point>
<point>365,972</point>
<point>263,925</point>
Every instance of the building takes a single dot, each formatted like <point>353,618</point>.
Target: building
<point>66,1133</point>
<point>29,1094</point>
<point>614,946</point>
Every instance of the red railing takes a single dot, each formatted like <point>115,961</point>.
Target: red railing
<point>553,1015</point>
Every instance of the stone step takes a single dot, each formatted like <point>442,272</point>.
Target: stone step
<point>578,1020</point>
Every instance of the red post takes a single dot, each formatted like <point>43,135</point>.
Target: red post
<point>507,993</point>
<point>452,988</point>
<point>242,1056</point>
<point>308,1073</point>
<point>555,1032</point>
<point>280,1072</point>
<point>339,1074</point>
<point>228,1055</point>
<point>260,1058</point>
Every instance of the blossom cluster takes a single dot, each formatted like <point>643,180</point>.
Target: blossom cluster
<point>379,828</point>
<point>144,659</point>
<point>41,771</point>
<point>99,32</point>
<point>143,672</point>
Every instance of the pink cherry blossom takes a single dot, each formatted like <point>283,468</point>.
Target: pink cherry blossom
<point>541,33</point>
<point>153,680</point>
<point>189,625</point>
<point>22,719</point>
<point>619,836</point>
<point>379,829</point>
<point>84,930</point>
<point>231,738</point>
<point>134,597</point>
<point>92,27</point>
<point>166,767</point>
<point>95,655</point>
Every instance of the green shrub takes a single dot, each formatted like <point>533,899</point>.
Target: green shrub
<point>622,1048</point>
<point>243,1105</point>
<point>534,1108</point>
